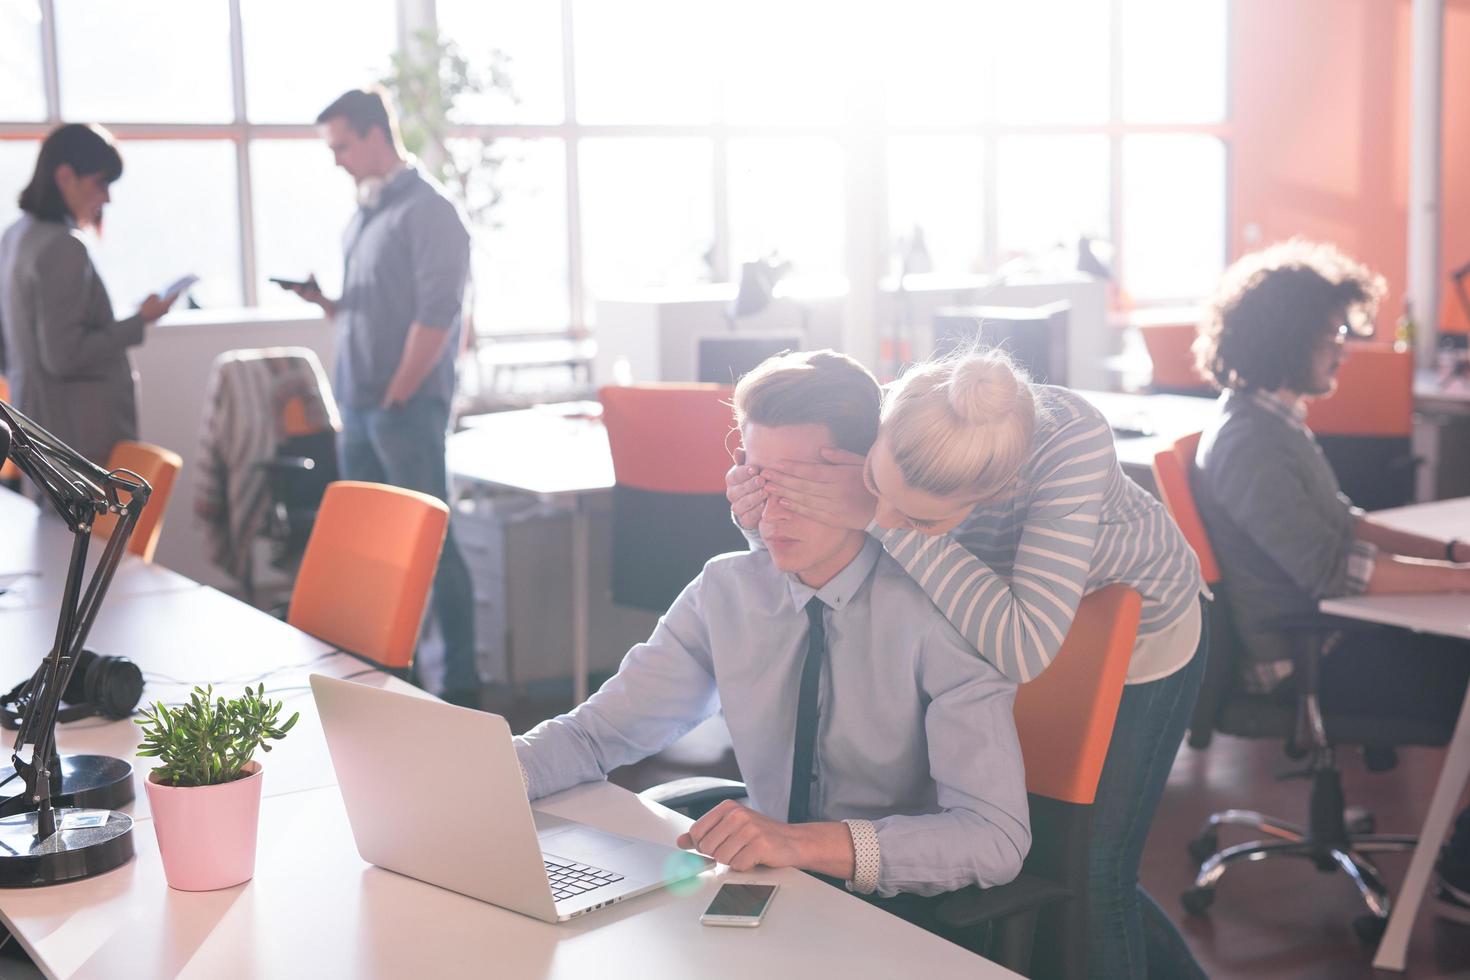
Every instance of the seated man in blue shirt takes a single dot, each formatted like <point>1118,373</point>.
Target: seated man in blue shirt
<point>829,662</point>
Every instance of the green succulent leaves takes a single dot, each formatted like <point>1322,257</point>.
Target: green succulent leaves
<point>209,740</point>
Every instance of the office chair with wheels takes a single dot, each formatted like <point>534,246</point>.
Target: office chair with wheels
<point>160,467</point>
<point>365,577</point>
<point>670,515</point>
<point>1065,721</point>
<point>258,402</point>
<point>297,477</point>
<point>1335,836</point>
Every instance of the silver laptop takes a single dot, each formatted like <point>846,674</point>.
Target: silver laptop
<point>434,791</point>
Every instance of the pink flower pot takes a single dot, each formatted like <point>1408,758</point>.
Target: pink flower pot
<point>206,834</point>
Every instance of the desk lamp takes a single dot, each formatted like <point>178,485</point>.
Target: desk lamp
<point>50,844</point>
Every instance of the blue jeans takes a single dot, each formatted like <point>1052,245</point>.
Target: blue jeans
<point>404,447</point>
<point>1128,934</point>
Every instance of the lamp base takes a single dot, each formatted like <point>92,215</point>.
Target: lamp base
<point>86,843</point>
<point>87,781</point>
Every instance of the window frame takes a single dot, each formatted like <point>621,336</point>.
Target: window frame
<point>866,133</point>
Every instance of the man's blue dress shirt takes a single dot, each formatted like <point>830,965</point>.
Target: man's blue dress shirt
<point>916,732</point>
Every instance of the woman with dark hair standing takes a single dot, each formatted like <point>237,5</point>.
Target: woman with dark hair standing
<point>61,349</point>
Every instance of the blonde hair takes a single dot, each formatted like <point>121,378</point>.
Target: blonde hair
<point>962,425</point>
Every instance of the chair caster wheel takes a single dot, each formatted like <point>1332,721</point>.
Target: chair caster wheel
<point>1197,900</point>
<point>1359,820</point>
<point>1203,847</point>
<point>1369,929</point>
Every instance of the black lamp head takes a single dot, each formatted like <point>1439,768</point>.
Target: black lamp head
<point>4,440</point>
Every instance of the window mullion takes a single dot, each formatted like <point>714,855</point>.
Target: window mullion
<point>50,62</point>
<point>245,184</point>
<point>1115,140</point>
<point>576,293</point>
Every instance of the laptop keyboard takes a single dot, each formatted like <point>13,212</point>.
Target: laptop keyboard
<point>571,880</point>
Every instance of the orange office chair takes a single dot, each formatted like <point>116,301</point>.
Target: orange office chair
<point>1366,427</point>
<point>365,576</point>
<point>1329,838</point>
<point>1065,721</point>
<point>1170,348</point>
<point>160,467</point>
<point>9,472</point>
<point>670,515</point>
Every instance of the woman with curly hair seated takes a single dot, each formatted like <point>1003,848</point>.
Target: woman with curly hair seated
<point>1285,535</point>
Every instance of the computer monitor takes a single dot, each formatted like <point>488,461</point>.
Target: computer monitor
<point>724,360</point>
<point>1036,337</point>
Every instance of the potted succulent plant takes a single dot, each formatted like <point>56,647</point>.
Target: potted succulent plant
<point>205,792</point>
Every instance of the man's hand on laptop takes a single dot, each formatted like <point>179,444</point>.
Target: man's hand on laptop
<point>738,836</point>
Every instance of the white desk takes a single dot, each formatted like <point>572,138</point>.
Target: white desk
<point>179,639</point>
<point>1149,424</point>
<point>35,550</point>
<point>315,909</point>
<point>1447,615</point>
<point>557,453</point>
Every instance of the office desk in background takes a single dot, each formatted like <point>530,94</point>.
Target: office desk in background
<point>1144,425</point>
<point>559,455</point>
<point>1446,615</point>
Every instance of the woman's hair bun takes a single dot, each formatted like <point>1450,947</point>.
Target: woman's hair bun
<point>985,387</point>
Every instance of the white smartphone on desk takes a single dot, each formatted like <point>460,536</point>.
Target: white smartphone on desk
<point>739,903</point>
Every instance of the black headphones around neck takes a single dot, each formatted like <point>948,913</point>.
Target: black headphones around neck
<point>106,686</point>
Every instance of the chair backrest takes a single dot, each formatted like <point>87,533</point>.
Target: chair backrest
<point>365,576</point>
<point>1173,473</point>
<point>160,467</point>
<point>295,420</point>
<point>1170,348</point>
<point>669,438</point>
<point>1065,721</point>
<point>1374,396</point>
<point>1065,716</point>
<point>669,451</point>
<point>1365,429</point>
<point>1172,469</point>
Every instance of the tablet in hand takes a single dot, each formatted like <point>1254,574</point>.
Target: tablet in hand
<point>171,292</point>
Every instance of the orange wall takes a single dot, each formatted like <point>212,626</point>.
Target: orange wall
<point>1320,132</point>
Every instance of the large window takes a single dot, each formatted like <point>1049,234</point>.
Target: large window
<point>634,156</point>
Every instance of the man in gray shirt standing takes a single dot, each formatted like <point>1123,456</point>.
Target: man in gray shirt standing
<point>877,748</point>
<point>407,255</point>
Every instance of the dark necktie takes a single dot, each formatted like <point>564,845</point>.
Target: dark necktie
<point>802,775</point>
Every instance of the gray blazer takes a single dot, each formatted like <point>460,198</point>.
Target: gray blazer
<point>62,351</point>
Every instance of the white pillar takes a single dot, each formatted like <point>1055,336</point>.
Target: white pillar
<point>1426,98</point>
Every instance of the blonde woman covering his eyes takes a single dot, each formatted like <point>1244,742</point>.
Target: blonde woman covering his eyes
<point>1004,500</point>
